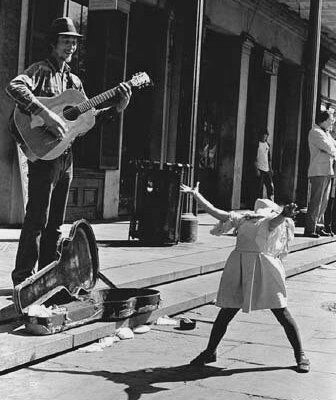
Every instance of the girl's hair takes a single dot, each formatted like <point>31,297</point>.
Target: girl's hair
<point>322,116</point>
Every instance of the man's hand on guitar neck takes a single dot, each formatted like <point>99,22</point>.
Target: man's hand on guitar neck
<point>125,93</point>
<point>54,123</point>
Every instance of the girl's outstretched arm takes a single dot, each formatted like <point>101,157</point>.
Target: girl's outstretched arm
<point>289,211</point>
<point>211,209</point>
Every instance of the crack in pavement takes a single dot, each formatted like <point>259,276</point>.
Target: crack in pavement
<point>257,396</point>
<point>244,361</point>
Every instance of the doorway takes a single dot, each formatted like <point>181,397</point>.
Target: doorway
<point>218,96</point>
<point>256,121</point>
<point>285,141</point>
<point>143,120</point>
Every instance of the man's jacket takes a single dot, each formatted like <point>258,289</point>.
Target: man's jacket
<point>322,149</point>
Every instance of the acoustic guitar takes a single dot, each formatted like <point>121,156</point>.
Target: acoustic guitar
<point>76,111</point>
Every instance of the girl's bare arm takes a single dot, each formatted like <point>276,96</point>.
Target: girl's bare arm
<point>210,208</point>
<point>289,211</point>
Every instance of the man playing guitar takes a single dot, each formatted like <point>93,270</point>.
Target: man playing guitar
<point>49,179</point>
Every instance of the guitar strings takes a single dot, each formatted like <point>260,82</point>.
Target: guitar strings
<point>91,103</point>
<point>100,98</point>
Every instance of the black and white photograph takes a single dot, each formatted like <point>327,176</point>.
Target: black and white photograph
<point>167,202</point>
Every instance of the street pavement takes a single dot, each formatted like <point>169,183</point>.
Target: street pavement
<point>186,274</point>
<point>255,360</point>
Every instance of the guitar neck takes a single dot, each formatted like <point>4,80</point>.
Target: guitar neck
<point>99,99</point>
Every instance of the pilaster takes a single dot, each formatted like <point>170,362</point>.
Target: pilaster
<point>247,45</point>
<point>271,66</point>
<point>310,87</point>
<point>11,30</point>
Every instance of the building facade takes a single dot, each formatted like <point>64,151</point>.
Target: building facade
<point>223,70</point>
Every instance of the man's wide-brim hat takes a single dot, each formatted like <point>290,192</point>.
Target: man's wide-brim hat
<point>64,26</point>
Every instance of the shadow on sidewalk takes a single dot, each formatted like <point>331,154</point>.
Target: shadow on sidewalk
<point>141,381</point>
<point>9,319</point>
<point>11,326</point>
<point>131,243</point>
<point>6,292</point>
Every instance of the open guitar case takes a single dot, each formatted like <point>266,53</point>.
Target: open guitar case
<point>66,286</point>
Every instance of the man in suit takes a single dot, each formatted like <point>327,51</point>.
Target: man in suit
<point>322,149</point>
<point>49,181</point>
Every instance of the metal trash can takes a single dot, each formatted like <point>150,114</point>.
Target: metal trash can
<point>157,205</point>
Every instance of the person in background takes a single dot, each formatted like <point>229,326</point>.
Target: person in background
<point>330,213</point>
<point>263,167</point>
<point>322,148</point>
<point>253,277</point>
<point>49,180</point>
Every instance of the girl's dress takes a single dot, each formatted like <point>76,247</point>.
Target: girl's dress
<point>253,277</point>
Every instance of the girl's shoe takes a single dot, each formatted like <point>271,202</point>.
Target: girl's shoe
<point>204,358</point>
<point>303,363</point>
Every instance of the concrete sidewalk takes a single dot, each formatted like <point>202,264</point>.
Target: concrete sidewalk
<point>186,274</point>
<point>255,360</point>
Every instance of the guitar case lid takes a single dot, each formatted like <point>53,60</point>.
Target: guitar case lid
<point>75,271</point>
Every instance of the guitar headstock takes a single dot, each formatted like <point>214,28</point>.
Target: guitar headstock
<point>140,80</point>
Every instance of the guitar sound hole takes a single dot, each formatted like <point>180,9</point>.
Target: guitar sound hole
<point>71,113</point>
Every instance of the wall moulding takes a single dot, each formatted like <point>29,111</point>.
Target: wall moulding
<point>120,5</point>
<point>276,13</point>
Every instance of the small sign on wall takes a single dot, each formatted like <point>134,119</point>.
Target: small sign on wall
<point>270,62</point>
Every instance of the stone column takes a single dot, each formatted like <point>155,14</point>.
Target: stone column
<point>311,64</point>
<point>247,46</point>
<point>20,160</point>
<point>195,93</point>
<point>275,60</point>
<point>11,199</point>
<point>312,60</point>
<point>166,97</point>
<point>112,176</point>
<point>190,15</point>
<point>298,141</point>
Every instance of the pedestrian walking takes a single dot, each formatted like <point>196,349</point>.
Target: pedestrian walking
<point>264,167</point>
<point>253,277</point>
